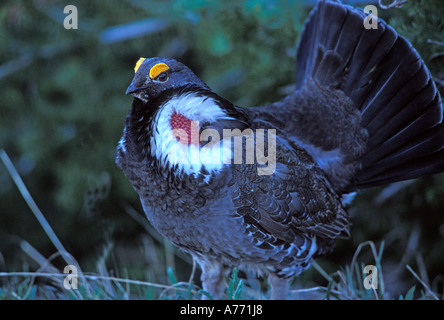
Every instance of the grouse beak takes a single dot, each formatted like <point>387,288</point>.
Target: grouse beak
<point>137,92</point>
<point>132,89</point>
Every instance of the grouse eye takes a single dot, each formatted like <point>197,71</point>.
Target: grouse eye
<point>162,77</point>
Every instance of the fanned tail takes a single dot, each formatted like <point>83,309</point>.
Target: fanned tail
<point>388,83</point>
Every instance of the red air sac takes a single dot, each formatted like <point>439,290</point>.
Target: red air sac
<point>185,130</point>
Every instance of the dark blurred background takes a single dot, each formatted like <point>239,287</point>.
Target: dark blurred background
<point>62,109</point>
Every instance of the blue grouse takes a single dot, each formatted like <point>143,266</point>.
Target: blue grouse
<point>262,188</point>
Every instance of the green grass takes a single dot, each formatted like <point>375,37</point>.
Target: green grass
<point>344,284</point>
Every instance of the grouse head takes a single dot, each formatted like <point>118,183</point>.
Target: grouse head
<point>157,76</point>
<point>177,119</point>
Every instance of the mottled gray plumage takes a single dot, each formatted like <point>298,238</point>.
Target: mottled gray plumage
<point>365,113</point>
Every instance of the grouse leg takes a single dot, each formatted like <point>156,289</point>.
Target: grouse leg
<point>212,279</point>
<point>279,287</point>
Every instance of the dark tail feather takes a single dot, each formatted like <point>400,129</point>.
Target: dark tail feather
<point>388,82</point>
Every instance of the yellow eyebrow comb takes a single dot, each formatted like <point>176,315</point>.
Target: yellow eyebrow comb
<point>138,63</point>
<point>158,69</point>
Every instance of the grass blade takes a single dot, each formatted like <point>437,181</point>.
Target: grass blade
<point>32,205</point>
